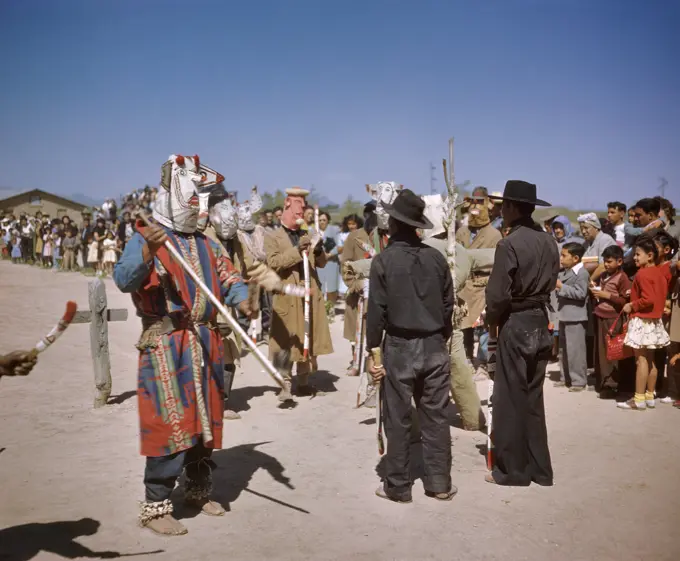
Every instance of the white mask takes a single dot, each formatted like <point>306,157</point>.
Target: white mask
<point>383,192</point>
<point>245,211</point>
<point>223,219</point>
<point>182,204</point>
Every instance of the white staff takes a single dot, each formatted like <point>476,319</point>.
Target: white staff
<point>305,263</point>
<point>264,361</point>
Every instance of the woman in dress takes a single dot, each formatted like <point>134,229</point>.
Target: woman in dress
<point>329,275</point>
<point>350,223</point>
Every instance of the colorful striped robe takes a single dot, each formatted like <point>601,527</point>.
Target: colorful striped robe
<point>181,374</point>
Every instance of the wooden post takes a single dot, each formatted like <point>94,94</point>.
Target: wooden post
<point>99,342</point>
<point>99,317</point>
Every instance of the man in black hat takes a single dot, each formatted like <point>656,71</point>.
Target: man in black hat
<point>524,274</point>
<point>411,302</point>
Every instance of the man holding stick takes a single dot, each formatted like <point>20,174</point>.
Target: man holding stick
<point>411,302</point>
<point>524,274</point>
<point>285,249</point>
<point>181,357</point>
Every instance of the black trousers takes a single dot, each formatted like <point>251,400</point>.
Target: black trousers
<point>469,342</point>
<point>266,300</point>
<point>162,472</point>
<point>419,369</point>
<point>519,434</point>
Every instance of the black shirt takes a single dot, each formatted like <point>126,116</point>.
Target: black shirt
<point>410,292</point>
<point>524,272</point>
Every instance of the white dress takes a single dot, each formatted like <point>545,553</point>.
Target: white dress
<point>93,252</point>
<point>109,247</point>
<point>646,334</point>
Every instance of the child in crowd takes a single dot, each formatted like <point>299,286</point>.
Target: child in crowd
<point>667,247</point>
<point>572,309</point>
<point>56,249</point>
<point>92,252</point>
<point>645,328</point>
<point>610,298</point>
<point>69,247</point>
<point>47,246</point>
<point>16,248</point>
<point>109,248</point>
<point>4,245</point>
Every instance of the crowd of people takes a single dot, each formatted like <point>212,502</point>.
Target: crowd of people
<point>518,294</point>
<point>92,243</point>
<point>600,258</point>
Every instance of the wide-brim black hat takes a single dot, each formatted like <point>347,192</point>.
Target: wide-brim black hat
<point>409,208</point>
<point>520,192</point>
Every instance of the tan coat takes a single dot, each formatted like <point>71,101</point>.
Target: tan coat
<point>473,293</point>
<point>287,329</point>
<point>352,251</point>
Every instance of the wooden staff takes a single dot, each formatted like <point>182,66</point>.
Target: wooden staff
<point>263,360</point>
<point>305,263</point>
<point>377,362</point>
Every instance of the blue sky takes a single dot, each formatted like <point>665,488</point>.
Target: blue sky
<point>580,97</point>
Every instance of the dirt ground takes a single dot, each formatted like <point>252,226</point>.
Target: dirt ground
<point>298,483</point>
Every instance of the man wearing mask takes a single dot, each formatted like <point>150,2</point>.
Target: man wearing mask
<point>284,250</point>
<point>478,234</point>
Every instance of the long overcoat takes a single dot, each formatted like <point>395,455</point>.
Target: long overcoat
<point>288,315</point>
<point>473,293</point>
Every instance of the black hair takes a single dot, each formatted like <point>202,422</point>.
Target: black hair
<point>666,240</point>
<point>277,208</point>
<point>612,252</point>
<point>575,249</point>
<point>370,222</point>
<point>668,208</point>
<point>649,206</point>
<point>352,218</point>
<point>607,227</point>
<point>557,224</point>
<point>617,205</point>
<point>646,243</point>
<point>525,209</point>
<point>265,211</point>
<point>307,207</point>
<point>324,213</point>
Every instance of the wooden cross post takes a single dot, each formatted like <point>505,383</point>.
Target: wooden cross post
<point>99,317</point>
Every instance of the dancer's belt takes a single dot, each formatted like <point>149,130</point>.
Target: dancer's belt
<point>153,328</point>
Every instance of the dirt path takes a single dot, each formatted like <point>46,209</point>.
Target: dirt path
<point>299,483</point>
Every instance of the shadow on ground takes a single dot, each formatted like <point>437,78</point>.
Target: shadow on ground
<point>25,542</point>
<point>235,469</point>
<point>240,397</point>
<point>121,398</point>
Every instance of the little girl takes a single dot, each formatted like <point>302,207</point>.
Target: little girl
<point>92,252</point>
<point>109,249</point>
<point>47,247</point>
<point>56,249</point>
<point>16,249</point>
<point>645,328</point>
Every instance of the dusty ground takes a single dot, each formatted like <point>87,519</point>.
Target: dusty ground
<point>299,483</point>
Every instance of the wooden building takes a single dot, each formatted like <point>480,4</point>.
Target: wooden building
<point>49,204</point>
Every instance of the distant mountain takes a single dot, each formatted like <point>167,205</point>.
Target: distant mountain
<point>324,201</point>
<point>85,200</point>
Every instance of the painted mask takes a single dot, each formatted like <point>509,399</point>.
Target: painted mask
<point>478,211</point>
<point>383,192</point>
<point>224,220</point>
<point>293,212</point>
<point>245,211</point>
<point>182,204</point>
